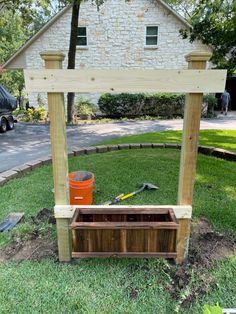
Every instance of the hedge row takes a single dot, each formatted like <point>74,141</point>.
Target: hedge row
<point>125,105</point>
<point>131,105</point>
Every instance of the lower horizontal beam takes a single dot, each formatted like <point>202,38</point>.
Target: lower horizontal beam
<point>126,254</point>
<point>67,211</point>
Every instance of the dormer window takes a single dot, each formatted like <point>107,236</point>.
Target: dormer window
<point>82,36</point>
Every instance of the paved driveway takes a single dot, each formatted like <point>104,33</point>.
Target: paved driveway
<point>30,142</point>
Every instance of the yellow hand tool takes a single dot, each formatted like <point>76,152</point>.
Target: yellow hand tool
<point>122,197</point>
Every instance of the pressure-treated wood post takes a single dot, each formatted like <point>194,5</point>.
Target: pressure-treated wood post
<point>192,117</point>
<point>53,60</point>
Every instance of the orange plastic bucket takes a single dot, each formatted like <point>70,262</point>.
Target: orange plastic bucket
<point>81,187</point>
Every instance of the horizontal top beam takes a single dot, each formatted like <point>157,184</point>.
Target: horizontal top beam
<point>102,81</point>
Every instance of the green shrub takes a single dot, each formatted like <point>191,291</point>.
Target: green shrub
<point>30,114</point>
<point>19,111</point>
<point>211,102</point>
<point>38,114</point>
<point>164,105</point>
<point>125,105</point>
<point>84,108</point>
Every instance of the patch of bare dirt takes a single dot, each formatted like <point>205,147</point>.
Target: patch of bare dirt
<point>34,250</point>
<point>185,288</point>
<point>208,246</point>
<point>191,281</point>
<point>44,215</point>
<point>35,247</point>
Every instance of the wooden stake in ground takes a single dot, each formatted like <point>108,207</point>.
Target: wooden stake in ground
<point>53,60</point>
<point>192,117</point>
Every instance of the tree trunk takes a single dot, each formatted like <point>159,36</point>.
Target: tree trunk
<point>72,54</point>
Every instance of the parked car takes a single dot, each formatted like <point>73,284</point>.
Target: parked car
<point>8,104</point>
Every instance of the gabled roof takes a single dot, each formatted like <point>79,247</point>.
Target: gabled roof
<point>19,53</point>
<point>36,36</point>
<point>176,14</point>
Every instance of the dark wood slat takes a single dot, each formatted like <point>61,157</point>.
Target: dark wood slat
<point>172,215</point>
<point>124,232</point>
<point>151,237</point>
<point>128,210</point>
<point>136,240</point>
<point>122,254</point>
<point>76,215</point>
<point>123,240</point>
<point>82,238</point>
<point>124,225</point>
<point>75,241</point>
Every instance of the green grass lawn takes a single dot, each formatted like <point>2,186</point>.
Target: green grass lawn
<point>126,285</point>
<point>215,138</point>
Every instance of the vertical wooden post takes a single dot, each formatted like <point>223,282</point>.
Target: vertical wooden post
<point>192,117</point>
<point>53,60</point>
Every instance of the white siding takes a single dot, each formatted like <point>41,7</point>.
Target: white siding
<point>116,37</point>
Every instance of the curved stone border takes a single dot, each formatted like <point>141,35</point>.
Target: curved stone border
<point>19,171</point>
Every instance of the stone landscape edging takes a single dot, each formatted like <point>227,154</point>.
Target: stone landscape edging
<point>17,172</point>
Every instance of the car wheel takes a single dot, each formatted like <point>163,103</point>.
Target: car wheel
<point>10,124</point>
<point>3,125</point>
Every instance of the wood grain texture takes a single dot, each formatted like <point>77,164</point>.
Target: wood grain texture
<point>183,235</point>
<point>64,240</point>
<point>123,240</point>
<point>129,232</point>
<point>123,225</point>
<point>121,254</point>
<point>189,150</point>
<point>59,157</point>
<point>63,211</point>
<point>191,128</point>
<point>103,81</point>
<point>123,210</point>
<point>59,148</point>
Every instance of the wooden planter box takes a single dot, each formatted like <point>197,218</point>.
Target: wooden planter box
<point>127,232</point>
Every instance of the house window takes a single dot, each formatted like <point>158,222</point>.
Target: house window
<point>151,35</point>
<point>82,36</point>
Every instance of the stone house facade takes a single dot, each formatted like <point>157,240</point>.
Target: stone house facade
<point>121,34</point>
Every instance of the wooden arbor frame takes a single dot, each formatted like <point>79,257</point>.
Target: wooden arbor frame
<point>194,82</point>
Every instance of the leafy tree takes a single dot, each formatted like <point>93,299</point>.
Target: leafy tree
<point>11,38</point>
<point>185,8</point>
<point>34,13</point>
<point>28,10</point>
<point>214,23</point>
<point>12,34</point>
<point>19,20</point>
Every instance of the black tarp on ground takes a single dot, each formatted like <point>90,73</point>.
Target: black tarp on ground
<point>7,101</point>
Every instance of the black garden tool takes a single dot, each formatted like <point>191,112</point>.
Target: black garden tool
<point>122,197</point>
